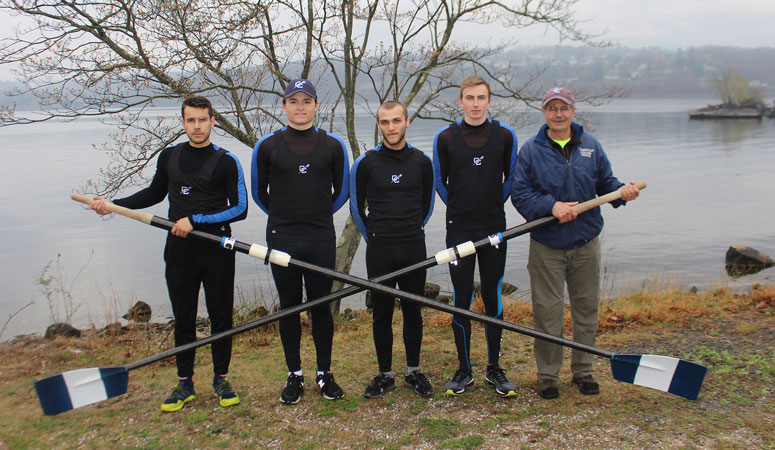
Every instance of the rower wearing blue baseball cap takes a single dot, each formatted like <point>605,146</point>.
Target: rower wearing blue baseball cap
<point>300,178</point>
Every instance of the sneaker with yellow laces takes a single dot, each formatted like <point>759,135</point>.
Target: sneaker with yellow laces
<point>182,394</point>
<point>224,392</point>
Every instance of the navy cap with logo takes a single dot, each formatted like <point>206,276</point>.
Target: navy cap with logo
<point>300,85</point>
<point>559,93</point>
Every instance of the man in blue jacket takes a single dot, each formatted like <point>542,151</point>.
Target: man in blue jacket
<point>556,169</point>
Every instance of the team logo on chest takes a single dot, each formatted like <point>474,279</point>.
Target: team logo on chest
<point>185,190</point>
<point>478,160</point>
<point>395,179</point>
<point>303,168</point>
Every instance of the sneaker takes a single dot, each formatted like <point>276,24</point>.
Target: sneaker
<point>459,381</point>
<point>293,390</point>
<point>379,386</point>
<point>547,389</point>
<point>417,382</point>
<point>587,385</point>
<point>182,394</point>
<point>497,377</point>
<point>224,392</point>
<point>328,387</point>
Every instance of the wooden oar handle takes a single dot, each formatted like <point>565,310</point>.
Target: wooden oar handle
<point>607,198</point>
<point>132,214</point>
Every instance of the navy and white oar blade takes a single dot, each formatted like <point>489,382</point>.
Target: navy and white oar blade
<point>76,388</point>
<point>664,373</point>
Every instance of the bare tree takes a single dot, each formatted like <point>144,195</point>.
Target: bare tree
<point>117,58</point>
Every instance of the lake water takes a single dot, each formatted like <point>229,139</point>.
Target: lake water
<point>709,186</point>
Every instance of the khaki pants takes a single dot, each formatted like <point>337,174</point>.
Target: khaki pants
<point>550,270</point>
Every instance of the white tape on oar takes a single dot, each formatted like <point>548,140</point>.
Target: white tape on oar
<point>275,256</point>
<point>456,252</point>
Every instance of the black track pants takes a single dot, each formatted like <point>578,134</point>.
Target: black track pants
<point>384,257</point>
<point>492,262</point>
<point>288,281</point>
<point>191,263</point>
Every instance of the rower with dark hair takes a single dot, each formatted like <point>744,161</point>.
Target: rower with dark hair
<point>206,190</point>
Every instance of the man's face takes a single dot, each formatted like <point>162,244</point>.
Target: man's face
<point>475,100</point>
<point>300,109</point>
<point>197,124</point>
<point>559,116</point>
<point>392,124</point>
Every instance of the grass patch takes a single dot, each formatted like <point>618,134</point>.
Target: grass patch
<point>729,333</point>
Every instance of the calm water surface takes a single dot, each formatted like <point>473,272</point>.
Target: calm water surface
<point>708,187</point>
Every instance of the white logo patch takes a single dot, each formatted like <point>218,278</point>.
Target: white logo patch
<point>185,190</point>
<point>586,152</point>
<point>395,179</point>
<point>556,90</point>
<point>303,168</point>
<point>228,243</point>
<point>299,84</point>
<point>478,160</point>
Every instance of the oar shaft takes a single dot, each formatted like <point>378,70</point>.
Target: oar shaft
<point>242,247</point>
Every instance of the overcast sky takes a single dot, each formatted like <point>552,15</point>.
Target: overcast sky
<point>640,23</point>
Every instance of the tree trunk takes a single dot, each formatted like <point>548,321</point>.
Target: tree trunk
<point>345,252</point>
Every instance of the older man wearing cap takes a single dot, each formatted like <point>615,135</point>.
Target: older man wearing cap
<point>556,169</point>
<point>300,178</point>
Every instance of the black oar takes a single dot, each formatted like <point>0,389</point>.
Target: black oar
<point>77,388</point>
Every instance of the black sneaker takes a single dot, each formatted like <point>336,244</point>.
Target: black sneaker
<point>182,394</point>
<point>459,381</point>
<point>293,390</point>
<point>379,386</point>
<point>418,383</point>
<point>497,377</point>
<point>587,385</point>
<point>547,389</point>
<point>224,392</point>
<point>328,387</point>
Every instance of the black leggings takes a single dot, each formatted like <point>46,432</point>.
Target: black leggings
<point>383,256</point>
<point>288,281</point>
<point>492,262</point>
<point>191,263</point>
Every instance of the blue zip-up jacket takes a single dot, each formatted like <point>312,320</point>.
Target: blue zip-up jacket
<point>543,176</point>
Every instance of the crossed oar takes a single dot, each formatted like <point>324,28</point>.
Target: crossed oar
<point>76,388</point>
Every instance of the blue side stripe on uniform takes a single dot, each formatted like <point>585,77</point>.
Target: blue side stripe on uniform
<point>437,168</point>
<point>254,174</point>
<point>234,211</point>
<point>345,192</point>
<point>354,198</point>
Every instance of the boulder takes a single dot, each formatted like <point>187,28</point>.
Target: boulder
<point>61,329</point>
<point>139,312</point>
<point>743,260</point>
<point>114,329</point>
<point>506,288</point>
<point>431,290</point>
<point>444,299</point>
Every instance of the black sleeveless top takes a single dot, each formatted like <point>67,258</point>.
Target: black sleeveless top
<point>302,199</point>
<point>194,193</point>
<point>475,182</point>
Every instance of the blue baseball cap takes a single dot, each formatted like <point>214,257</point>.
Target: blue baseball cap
<point>300,85</point>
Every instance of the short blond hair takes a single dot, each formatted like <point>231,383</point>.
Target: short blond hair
<point>474,80</point>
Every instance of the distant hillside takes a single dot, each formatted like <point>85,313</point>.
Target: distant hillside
<point>648,72</point>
